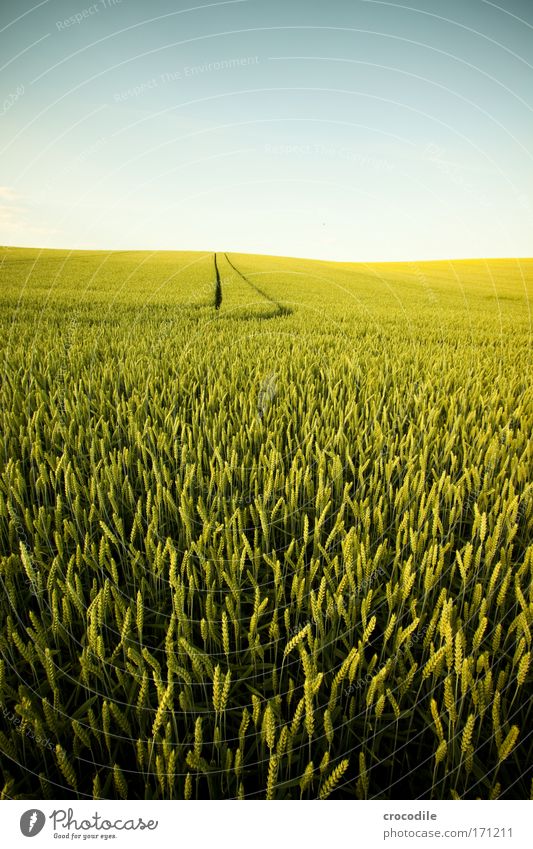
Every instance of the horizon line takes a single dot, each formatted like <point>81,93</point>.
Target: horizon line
<point>412,261</point>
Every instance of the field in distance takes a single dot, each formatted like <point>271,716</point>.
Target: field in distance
<point>265,527</point>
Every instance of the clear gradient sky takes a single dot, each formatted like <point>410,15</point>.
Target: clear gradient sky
<point>344,129</point>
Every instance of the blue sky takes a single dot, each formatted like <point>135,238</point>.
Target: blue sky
<point>358,130</point>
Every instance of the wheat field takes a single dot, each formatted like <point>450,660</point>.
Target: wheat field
<point>265,527</point>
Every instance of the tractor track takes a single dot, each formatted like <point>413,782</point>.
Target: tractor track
<point>280,308</point>
<point>218,285</point>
